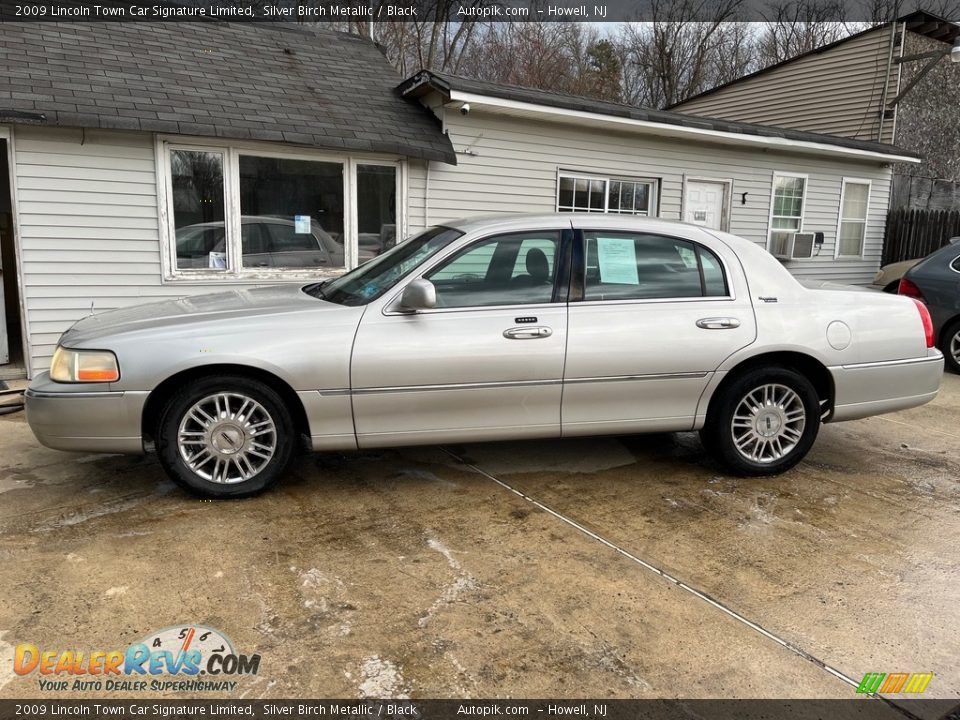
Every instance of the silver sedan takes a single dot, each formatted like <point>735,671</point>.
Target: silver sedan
<point>490,329</point>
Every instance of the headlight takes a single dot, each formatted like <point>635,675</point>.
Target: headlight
<point>70,366</point>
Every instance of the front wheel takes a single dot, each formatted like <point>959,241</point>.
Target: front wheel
<point>951,346</point>
<point>225,437</point>
<point>764,422</point>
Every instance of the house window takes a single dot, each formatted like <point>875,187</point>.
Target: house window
<point>625,196</point>
<point>198,209</point>
<point>786,212</point>
<point>294,209</point>
<point>852,228</point>
<point>239,213</point>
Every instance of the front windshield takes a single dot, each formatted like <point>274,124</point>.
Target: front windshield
<point>372,279</point>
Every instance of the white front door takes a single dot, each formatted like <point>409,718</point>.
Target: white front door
<point>705,204</point>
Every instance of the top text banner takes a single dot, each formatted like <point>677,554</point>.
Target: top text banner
<point>455,11</point>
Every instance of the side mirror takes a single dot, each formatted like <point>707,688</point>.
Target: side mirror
<point>420,294</point>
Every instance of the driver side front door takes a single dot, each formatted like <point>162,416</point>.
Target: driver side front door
<point>486,363</point>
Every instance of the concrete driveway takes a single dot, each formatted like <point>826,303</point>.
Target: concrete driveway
<point>605,568</point>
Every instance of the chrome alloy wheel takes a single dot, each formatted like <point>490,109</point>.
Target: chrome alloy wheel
<point>227,438</point>
<point>768,423</point>
<point>955,347</point>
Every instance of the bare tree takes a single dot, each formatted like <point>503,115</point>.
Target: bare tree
<point>798,26</point>
<point>563,57</point>
<point>681,53</point>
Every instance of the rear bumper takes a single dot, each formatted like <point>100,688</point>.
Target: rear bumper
<point>84,418</point>
<point>869,389</point>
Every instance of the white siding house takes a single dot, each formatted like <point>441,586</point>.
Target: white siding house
<point>515,147</point>
<point>103,201</point>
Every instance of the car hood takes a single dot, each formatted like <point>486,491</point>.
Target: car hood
<point>195,310</point>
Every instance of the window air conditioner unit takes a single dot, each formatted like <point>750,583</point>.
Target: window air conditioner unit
<point>796,246</point>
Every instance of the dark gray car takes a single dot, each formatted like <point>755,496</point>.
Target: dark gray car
<point>936,281</point>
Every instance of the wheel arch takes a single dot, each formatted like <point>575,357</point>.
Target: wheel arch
<point>162,392</point>
<point>807,365</point>
<point>944,334</point>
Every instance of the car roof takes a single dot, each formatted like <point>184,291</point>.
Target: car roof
<point>560,220</point>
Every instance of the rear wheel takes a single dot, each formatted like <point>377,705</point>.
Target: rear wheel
<point>224,437</point>
<point>764,422</point>
<point>951,346</point>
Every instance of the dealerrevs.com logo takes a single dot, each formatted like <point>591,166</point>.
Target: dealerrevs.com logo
<point>186,658</point>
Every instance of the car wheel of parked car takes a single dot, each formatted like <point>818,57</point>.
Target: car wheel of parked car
<point>951,346</point>
<point>225,437</point>
<point>764,422</point>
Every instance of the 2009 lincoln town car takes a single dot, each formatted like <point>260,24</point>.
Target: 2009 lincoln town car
<point>494,328</point>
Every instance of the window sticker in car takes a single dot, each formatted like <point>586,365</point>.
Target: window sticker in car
<point>688,256</point>
<point>618,261</point>
<point>301,224</point>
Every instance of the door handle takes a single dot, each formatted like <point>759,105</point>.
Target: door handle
<point>527,333</point>
<point>718,323</point>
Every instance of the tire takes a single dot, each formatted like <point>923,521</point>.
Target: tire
<point>777,416</point>
<point>950,346</point>
<point>225,437</point>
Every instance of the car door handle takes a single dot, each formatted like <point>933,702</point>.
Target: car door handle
<point>527,333</point>
<point>718,323</point>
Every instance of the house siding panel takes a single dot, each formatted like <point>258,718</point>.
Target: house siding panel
<point>513,166</point>
<point>839,91</point>
<point>89,229</point>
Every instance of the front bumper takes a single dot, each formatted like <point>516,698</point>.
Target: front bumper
<point>85,417</point>
<point>869,389</point>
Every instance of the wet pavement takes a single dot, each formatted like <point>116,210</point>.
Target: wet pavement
<point>606,568</point>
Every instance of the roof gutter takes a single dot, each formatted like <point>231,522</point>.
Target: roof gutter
<point>679,131</point>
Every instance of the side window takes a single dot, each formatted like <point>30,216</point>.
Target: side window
<point>714,281</point>
<point>286,239</point>
<point>252,238</point>
<point>515,269</point>
<point>636,266</point>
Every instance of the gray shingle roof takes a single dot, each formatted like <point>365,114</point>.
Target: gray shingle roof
<point>229,80</point>
<point>444,83</point>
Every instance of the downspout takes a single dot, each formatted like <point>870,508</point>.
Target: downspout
<point>896,109</point>
<point>426,198</point>
<point>886,79</point>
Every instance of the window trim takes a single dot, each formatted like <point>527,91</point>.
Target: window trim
<point>232,150</point>
<point>840,219</point>
<point>773,199</point>
<point>654,182</point>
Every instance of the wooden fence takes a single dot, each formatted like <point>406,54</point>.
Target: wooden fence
<point>916,233</point>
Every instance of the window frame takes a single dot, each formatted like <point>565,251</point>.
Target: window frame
<point>561,281</point>
<point>654,183</point>
<point>164,145</point>
<point>840,219</point>
<point>555,283</point>
<point>579,272</point>
<point>773,199</point>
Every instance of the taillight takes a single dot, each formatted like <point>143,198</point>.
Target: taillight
<point>909,288</point>
<point>924,318</point>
